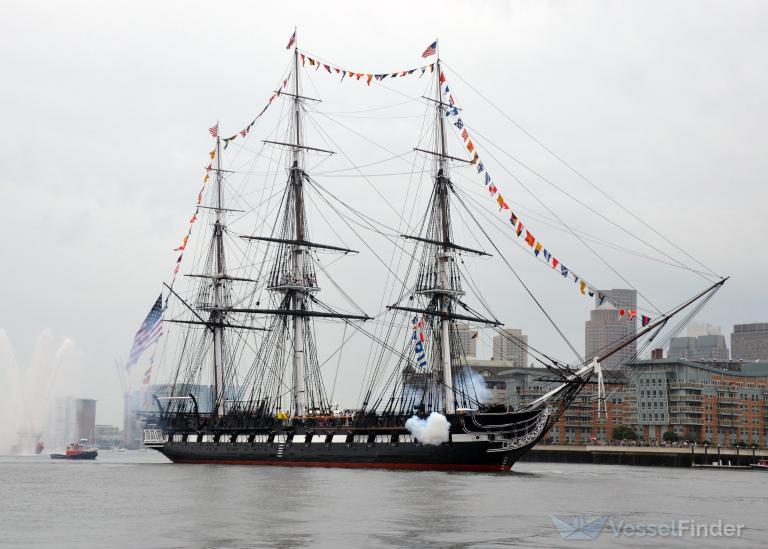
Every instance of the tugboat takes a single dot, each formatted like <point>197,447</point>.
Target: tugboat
<point>77,451</point>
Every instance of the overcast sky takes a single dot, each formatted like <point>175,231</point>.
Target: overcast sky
<point>105,109</point>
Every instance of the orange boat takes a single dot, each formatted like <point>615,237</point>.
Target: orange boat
<point>77,451</point>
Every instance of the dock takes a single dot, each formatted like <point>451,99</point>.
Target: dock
<point>660,456</point>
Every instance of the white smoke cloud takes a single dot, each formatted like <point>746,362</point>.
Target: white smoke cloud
<point>433,430</point>
<point>473,385</point>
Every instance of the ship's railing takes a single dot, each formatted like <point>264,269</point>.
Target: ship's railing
<point>153,437</point>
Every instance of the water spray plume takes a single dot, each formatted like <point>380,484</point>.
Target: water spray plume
<point>29,391</point>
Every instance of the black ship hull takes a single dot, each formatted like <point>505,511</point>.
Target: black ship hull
<point>446,457</point>
<point>493,448</point>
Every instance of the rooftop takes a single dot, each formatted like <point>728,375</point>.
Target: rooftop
<point>738,367</point>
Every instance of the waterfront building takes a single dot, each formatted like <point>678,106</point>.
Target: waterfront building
<point>606,327</point>
<point>581,422</point>
<point>511,346</point>
<point>722,402</point>
<point>750,341</point>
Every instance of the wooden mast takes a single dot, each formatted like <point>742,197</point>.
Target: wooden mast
<point>297,296</point>
<point>217,314</point>
<point>445,257</point>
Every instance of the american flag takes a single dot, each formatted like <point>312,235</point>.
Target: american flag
<point>431,50</point>
<point>292,41</point>
<point>214,130</point>
<point>150,331</point>
<point>147,376</point>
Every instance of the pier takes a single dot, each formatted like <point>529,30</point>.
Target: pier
<point>661,456</point>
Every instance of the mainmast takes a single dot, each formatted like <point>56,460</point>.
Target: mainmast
<point>297,297</point>
<point>292,276</point>
<point>217,314</point>
<point>445,254</point>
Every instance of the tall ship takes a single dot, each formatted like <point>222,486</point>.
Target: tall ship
<point>253,320</point>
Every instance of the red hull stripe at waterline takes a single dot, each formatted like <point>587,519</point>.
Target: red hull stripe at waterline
<point>354,464</point>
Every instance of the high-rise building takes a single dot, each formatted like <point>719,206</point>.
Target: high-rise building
<point>703,347</point>
<point>468,338</point>
<point>619,298</point>
<point>750,341</point>
<point>85,419</point>
<point>512,346</point>
<point>682,348</point>
<point>606,327</point>
<point>711,347</point>
<point>71,420</point>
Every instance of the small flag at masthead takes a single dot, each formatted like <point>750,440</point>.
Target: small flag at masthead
<point>431,50</point>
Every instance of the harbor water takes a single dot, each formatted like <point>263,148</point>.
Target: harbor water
<point>139,500</point>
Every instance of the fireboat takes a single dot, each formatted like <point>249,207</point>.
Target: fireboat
<point>77,451</point>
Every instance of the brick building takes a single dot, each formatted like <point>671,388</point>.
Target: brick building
<point>723,402</point>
